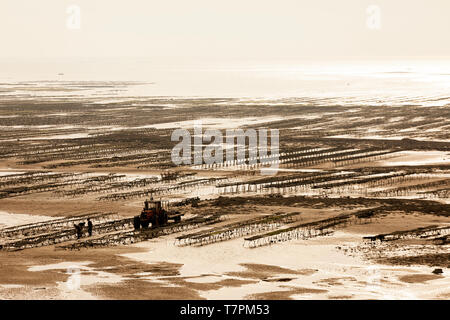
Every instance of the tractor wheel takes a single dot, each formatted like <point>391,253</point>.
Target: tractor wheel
<point>154,222</point>
<point>164,219</point>
<point>144,224</point>
<point>137,223</point>
<point>177,219</point>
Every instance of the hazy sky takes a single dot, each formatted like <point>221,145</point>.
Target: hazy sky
<point>238,29</point>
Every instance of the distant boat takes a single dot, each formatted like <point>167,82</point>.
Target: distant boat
<point>60,74</point>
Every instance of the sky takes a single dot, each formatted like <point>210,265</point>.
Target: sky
<point>226,30</point>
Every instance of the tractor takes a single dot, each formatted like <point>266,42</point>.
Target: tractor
<point>153,213</point>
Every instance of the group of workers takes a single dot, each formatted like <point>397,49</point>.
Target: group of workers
<point>79,228</point>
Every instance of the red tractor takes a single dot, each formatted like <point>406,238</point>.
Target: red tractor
<point>154,214</point>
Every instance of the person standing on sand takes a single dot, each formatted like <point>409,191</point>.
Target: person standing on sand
<point>90,226</point>
<point>78,230</point>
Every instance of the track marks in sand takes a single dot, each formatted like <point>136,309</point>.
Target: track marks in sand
<point>419,278</point>
<point>284,294</point>
<point>143,290</point>
<point>329,282</point>
<point>265,271</point>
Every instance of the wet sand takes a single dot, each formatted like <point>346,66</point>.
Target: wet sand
<point>101,137</point>
<point>157,269</point>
